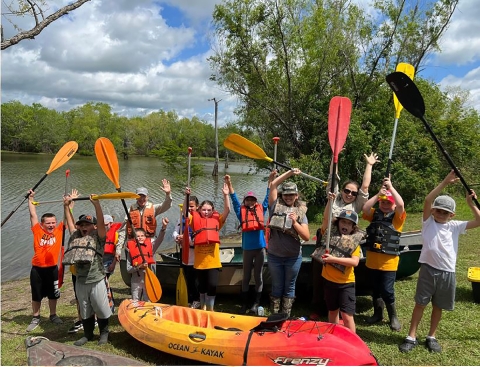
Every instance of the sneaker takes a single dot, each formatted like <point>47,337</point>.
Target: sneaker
<point>33,324</point>
<point>77,326</point>
<point>55,319</point>
<point>433,346</point>
<point>407,345</point>
<point>195,305</point>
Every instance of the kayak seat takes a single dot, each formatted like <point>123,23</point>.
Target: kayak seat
<point>272,323</point>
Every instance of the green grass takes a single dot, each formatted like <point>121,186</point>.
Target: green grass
<point>458,331</point>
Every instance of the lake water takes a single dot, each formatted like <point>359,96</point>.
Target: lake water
<point>19,172</point>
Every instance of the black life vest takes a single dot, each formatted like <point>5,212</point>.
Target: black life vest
<point>382,237</point>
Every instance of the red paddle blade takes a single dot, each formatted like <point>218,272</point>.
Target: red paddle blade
<point>339,113</point>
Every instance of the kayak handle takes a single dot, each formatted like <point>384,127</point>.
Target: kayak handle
<point>197,337</point>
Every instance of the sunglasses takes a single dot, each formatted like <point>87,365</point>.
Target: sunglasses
<point>350,192</point>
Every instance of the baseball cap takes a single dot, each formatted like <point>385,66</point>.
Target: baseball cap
<point>142,191</point>
<point>444,202</point>
<point>348,214</point>
<point>388,196</point>
<point>250,194</point>
<point>107,219</point>
<point>87,219</point>
<point>289,188</point>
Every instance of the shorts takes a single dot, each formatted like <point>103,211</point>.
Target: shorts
<point>340,296</point>
<point>93,299</point>
<point>44,283</point>
<point>437,286</point>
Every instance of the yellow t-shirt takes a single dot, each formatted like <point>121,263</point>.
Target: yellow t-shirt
<point>207,256</point>
<point>377,260</point>
<point>336,276</point>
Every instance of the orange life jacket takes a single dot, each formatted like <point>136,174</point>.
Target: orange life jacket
<point>146,220</point>
<point>146,250</point>
<point>205,230</point>
<point>109,248</point>
<point>252,218</point>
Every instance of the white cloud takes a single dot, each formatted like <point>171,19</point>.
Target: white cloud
<point>470,82</point>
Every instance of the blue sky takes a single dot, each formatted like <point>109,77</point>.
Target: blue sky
<point>143,55</point>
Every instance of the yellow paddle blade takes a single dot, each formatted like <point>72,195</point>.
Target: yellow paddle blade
<point>152,286</point>
<point>107,158</point>
<point>182,293</point>
<point>240,145</point>
<point>63,155</point>
<point>410,71</point>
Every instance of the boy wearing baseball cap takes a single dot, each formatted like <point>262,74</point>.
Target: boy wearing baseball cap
<point>436,280</point>
<point>383,249</point>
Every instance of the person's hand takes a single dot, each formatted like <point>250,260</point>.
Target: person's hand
<point>166,186</point>
<point>225,189</point>
<point>165,222</point>
<point>179,238</point>
<point>327,258</point>
<point>451,178</point>
<point>387,184</point>
<point>111,267</point>
<point>295,171</point>
<point>331,196</point>
<point>226,178</point>
<point>117,258</point>
<point>371,159</point>
<point>31,195</point>
<point>67,200</point>
<point>272,175</point>
<point>74,194</point>
<point>470,196</point>
<point>143,266</point>
<point>188,190</point>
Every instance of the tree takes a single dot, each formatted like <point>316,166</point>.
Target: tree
<point>285,60</point>
<point>36,10</point>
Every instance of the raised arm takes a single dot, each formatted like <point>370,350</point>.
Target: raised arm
<point>167,203</point>
<point>451,178</point>
<point>367,175</point>
<point>326,212</point>
<point>226,201</point>
<point>476,213</point>
<point>161,235</point>
<point>399,204</point>
<point>101,230</point>
<point>32,209</point>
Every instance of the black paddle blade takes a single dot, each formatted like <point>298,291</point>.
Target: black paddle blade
<point>407,93</point>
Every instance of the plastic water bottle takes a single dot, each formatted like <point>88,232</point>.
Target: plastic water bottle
<point>288,220</point>
<point>303,318</point>
<point>260,311</point>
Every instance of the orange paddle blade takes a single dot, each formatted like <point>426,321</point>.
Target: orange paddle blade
<point>410,71</point>
<point>63,155</point>
<point>107,158</point>
<point>152,286</point>
<point>339,113</point>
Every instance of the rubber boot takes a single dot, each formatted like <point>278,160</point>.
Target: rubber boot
<point>287,303</point>
<point>202,301</point>
<point>274,304</point>
<point>378,307</point>
<point>256,303</point>
<point>392,315</point>
<point>88,327</point>
<point>243,309</point>
<point>103,326</point>
<point>209,302</point>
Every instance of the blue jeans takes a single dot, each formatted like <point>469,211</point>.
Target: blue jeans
<point>284,272</point>
<point>383,285</point>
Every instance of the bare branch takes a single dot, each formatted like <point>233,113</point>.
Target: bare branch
<point>40,26</point>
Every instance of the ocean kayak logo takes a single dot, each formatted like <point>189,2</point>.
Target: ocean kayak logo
<point>304,361</point>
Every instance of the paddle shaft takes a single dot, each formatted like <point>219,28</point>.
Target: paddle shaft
<point>448,158</point>
<point>392,143</point>
<point>60,264</point>
<point>275,142</point>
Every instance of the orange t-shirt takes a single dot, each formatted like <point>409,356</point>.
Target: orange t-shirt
<point>46,246</point>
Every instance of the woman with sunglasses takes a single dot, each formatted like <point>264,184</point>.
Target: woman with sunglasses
<point>352,196</point>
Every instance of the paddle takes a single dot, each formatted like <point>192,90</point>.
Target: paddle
<point>182,292</point>
<point>62,252</point>
<point>410,71</point>
<point>339,113</point>
<point>186,237</point>
<point>111,196</point>
<point>275,141</point>
<point>107,158</point>
<point>63,155</point>
<point>412,100</point>
<point>243,146</point>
